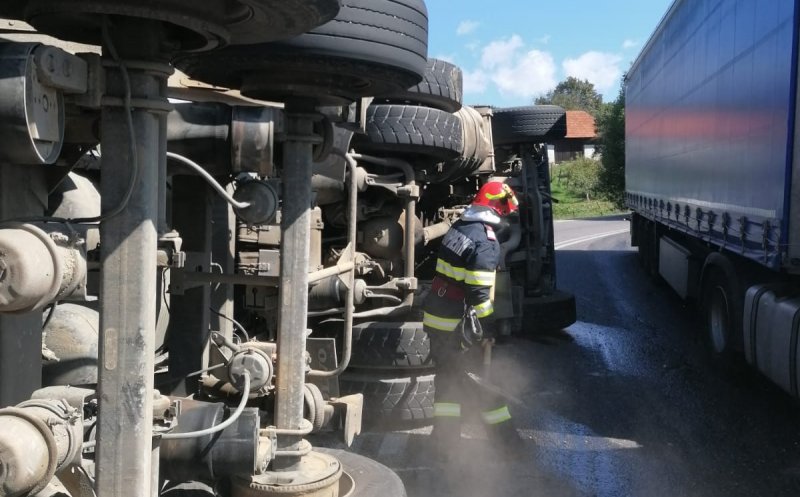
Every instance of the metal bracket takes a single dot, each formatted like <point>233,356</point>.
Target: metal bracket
<point>92,98</point>
<point>322,353</point>
<point>169,251</point>
<point>349,410</point>
<point>61,70</point>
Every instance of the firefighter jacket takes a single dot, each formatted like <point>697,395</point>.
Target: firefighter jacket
<point>465,271</point>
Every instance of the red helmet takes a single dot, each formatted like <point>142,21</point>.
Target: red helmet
<point>497,196</point>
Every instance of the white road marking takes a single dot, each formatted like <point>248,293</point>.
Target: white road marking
<point>584,239</point>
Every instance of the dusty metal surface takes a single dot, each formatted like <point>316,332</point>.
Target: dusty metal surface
<point>293,308</point>
<point>128,286</point>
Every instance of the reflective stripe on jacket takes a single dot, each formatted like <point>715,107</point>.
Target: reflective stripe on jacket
<point>465,272</point>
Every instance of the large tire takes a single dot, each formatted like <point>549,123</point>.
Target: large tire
<point>723,312</point>
<point>385,346</point>
<point>372,47</point>
<point>390,399</point>
<point>442,88</point>
<point>650,250</point>
<point>370,478</point>
<point>203,24</point>
<point>411,130</point>
<point>533,124</point>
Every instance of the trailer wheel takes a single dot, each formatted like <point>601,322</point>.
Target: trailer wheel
<point>722,308</point>
<point>649,248</point>
<point>411,130</point>
<point>533,124</point>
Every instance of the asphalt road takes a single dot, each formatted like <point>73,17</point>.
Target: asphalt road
<point>622,403</point>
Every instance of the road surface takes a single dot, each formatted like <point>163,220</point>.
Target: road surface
<point>622,403</point>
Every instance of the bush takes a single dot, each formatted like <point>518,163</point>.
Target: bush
<point>611,126</point>
<point>580,176</point>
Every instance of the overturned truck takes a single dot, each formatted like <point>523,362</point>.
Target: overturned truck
<point>201,269</point>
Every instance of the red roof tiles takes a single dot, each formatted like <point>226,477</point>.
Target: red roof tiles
<point>580,124</point>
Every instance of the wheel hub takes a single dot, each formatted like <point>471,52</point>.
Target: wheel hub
<point>318,475</point>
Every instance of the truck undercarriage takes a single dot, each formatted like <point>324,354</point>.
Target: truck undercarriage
<point>187,269</point>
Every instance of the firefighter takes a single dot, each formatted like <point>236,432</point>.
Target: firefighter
<point>461,293</point>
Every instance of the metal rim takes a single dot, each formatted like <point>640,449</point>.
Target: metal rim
<point>193,26</point>
<point>324,475</point>
<point>79,21</point>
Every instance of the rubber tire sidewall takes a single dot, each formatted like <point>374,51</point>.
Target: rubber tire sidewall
<point>442,87</point>
<point>372,47</point>
<point>372,479</point>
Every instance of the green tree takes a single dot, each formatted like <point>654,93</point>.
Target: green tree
<point>581,176</point>
<point>611,128</point>
<point>574,94</point>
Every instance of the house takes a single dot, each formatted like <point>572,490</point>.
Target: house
<point>579,140</point>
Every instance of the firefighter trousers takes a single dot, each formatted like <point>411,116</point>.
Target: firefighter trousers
<point>457,396</point>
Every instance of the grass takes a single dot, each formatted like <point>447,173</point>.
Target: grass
<point>571,205</point>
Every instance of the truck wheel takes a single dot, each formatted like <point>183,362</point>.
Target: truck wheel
<point>411,130</point>
<point>396,346</point>
<point>371,47</point>
<point>442,88</point>
<point>722,308</point>
<point>532,124</point>
<point>640,228</point>
<point>390,399</point>
<point>369,478</point>
<point>653,249</point>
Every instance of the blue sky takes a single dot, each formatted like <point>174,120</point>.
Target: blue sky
<point>514,50</point>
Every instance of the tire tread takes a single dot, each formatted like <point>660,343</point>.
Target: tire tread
<point>388,398</point>
<point>413,130</point>
<point>528,124</point>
